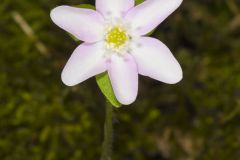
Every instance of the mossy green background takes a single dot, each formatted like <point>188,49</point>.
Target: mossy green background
<point>197,119</point>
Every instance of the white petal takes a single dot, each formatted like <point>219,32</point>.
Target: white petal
<point>155,60</point>
<point>124,78</point>
<point>149,14</point>
<point>114,8</point>
<point>86,61</point>
<point>85,24</point>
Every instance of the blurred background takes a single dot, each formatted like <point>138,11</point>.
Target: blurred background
<point>197,119</point>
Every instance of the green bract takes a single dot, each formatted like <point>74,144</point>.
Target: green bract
<point>104,84</point>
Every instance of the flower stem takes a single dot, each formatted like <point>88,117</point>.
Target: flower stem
<point>108,133</point>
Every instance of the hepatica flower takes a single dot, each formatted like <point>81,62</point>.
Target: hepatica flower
<point>114,40</point>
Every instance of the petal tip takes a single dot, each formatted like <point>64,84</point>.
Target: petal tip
<point>57,12</point>
<point>176,77</point>
<point>54,12</point>
<point>127,101</point>
<point>67,81</point>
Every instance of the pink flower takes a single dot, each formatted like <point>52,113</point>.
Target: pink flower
<point>114,41</point>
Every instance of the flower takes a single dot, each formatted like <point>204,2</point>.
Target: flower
<point>114,40</point>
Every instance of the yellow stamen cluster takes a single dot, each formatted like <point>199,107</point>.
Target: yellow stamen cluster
<point>116,37</point>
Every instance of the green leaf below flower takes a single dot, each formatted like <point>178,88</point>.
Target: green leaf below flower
<point>139,1</point>
<point>105,86</point>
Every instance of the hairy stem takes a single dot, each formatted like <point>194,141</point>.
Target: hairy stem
<point>108,133</point>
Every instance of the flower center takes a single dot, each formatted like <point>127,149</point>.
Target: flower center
<point>116,37</point>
